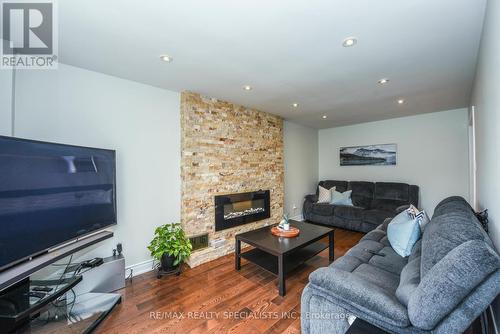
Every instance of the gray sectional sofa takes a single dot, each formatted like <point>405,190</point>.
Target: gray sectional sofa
<point>373,202</point>
<point>451,276</point>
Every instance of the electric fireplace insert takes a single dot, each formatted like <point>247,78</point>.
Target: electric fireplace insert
<point>242,208</point>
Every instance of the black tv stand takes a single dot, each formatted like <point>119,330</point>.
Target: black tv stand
<point>82,315</point>
<point>18,302</point>
<point>49,304</point>
<point>23,312</point>
<point>19,272</point>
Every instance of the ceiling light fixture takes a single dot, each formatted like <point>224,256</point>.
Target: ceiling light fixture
<point>349,41</point>
<point>324,116</point>
<point>247,87</point>
<point>383,81</point>
<point>401,101</point>
<point>295,105</point>
<point>166,58</point>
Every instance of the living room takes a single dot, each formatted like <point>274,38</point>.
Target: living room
<point>265,143</point>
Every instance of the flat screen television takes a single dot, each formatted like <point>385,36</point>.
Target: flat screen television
<point>51,194</point>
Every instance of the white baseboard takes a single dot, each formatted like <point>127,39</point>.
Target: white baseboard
<point>146,266</point>
<point>139,268</point>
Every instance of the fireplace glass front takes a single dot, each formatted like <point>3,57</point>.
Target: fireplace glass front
<point>242,208</point>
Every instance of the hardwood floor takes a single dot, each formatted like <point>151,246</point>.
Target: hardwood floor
<point>214,298</point>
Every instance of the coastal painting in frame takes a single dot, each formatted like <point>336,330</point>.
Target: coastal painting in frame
<point>369,155</point>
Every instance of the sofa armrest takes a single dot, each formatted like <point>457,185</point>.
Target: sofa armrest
<point>360,296</point>
<point>449,282</point>
<point>309,200</point>
<point>402,208</point>
<point>384,225</point>
<point>312,198</point>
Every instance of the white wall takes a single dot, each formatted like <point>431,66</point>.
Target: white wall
<point>76,106</point>
<point>486,99</point>
<point>432,153</point>
<point>301,165</point>
<point>486,102</point>
<point>5,101</point>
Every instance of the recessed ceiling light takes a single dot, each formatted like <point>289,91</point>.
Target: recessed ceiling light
<point>247,87</point>
<point>295,105</point>
<point>324,116</point>
<point>383,81</point>
<point>166,58</point>
<point>401,101</point>
<point>349,41</point>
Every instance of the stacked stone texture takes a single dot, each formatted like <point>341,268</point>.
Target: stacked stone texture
<point>226,148</point>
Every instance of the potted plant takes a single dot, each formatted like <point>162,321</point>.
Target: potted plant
<point>170,246</point>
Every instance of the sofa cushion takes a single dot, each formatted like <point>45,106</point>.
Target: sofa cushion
<point>445,232</point>
<point>450,281</point>
<point>389,260</point>
<point>350,289</point>
<point>409,280</point>
<point>347,263</point>
<point>379,234</point>
<point>329,184</point>
<point>452,204</point>
<point>378,276</point>
<point>364,250</point>
<point>377,217</point>
<point>322,209</point>
<point>375,235</point>
<point>359,271</point>
<point>416,251</point>
<point>392,191</point>
<point>362,193</point>
<point>387,204</point>
<point>375,242</point>
<point>348,212</point>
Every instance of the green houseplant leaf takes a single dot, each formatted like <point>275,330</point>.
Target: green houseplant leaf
<point>170,239</point>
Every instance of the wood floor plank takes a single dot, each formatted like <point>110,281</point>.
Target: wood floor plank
<point>214,298</point>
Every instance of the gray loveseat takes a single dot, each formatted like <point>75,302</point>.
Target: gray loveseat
<point>373,203</point>
<point>451,276</point>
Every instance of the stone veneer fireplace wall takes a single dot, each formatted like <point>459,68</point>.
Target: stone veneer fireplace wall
<point>226,149</point>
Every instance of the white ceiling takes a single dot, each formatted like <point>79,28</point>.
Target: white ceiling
<point>288,51</point>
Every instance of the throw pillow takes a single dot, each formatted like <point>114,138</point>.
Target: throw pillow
<point>422,219</point>
<point>412,210</point>
<point>339,198</point>
<point>403,232</point>
<point>420,216</point>
<point>324,195</point>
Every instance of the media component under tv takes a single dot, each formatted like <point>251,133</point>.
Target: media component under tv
<point>51,194</point>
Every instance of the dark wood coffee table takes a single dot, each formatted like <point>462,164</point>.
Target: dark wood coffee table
<point>279,255</point>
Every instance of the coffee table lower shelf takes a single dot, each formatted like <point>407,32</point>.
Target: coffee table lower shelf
<point>269,262</point>
<point>279,255</point>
